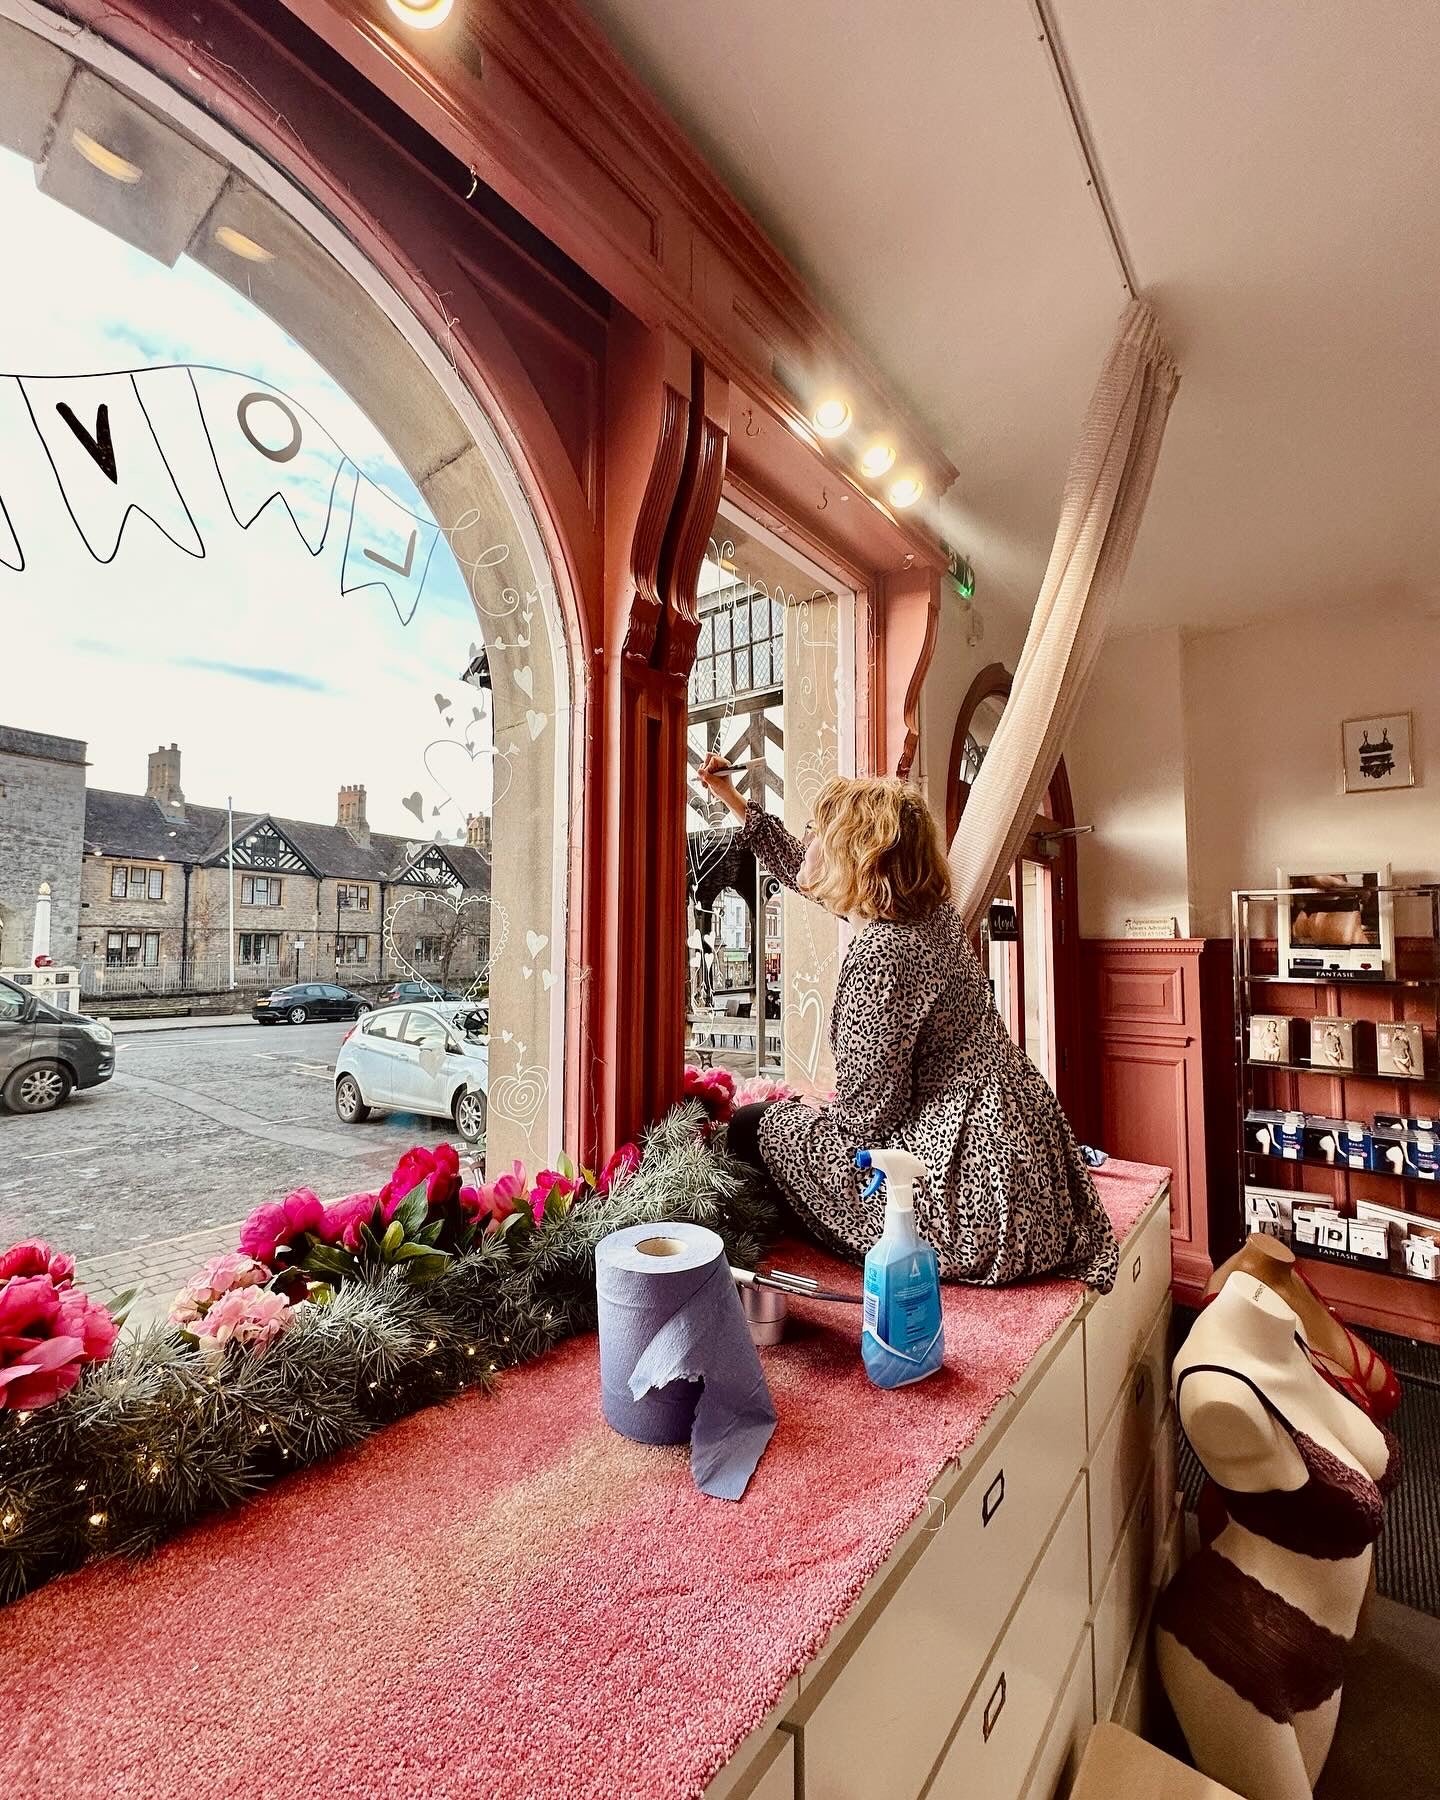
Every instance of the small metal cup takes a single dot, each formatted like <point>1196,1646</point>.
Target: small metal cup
<point>764,1313</point>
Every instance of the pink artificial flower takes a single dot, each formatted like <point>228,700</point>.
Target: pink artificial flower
<point>247,1317</point>
<point>47,1370</point>
<point>444,1184</point>
<point>622,1164</point>
<point>713,1088</point>
<point>280,1223</point>
<point>222,1273</point>
<point>439,1169</point>
<point>548,1182</point>
<point>83,1319</point>
<point>29,1308</point>
<point>756,1089</point>
<point>342,1220</point>
<point>500,1197</point>
<point>35,1257</point>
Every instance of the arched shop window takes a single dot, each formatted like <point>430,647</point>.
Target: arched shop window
<point>1029,939</point>
<point>769,690</point>
<point>271,595</point>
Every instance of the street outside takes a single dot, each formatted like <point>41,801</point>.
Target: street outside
<point>199,1125</point>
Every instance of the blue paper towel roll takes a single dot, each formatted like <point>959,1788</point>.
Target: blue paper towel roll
<point>676,1359</point>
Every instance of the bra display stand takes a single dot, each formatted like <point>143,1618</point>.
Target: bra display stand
<point>1251,1633</point>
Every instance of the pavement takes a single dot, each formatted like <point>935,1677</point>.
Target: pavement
<point>144,1178</point>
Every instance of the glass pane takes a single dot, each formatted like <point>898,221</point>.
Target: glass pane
<point>742,624</point>
<point>722,629</point>
<point>742,670</point>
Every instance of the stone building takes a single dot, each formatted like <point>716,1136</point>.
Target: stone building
<point>311,901</point>
<point>42,826</point>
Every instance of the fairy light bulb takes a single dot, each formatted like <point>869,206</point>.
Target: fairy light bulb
<point>421,15</point>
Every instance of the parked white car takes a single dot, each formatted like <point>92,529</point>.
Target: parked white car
<point>432,1059</point>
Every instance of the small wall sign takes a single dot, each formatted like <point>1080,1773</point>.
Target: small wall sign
<point>1161,927</point>
<point>1376,753</point>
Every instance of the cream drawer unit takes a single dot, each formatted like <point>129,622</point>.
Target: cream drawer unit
<point>878,1716</point>
<point>1118,1465</point>
<point>1117,1325</point>
<point>1059,1756</point>
<point>1124,1598</point>
<point>992,1751</point>
<point>1164,1486</point>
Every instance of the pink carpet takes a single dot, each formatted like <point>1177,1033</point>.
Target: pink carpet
<point>500,1599</point>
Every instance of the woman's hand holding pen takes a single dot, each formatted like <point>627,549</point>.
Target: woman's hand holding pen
<point>714,775</point>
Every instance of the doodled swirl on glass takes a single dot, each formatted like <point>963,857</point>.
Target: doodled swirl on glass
<point>520,1095</point>
<point>483,908</point>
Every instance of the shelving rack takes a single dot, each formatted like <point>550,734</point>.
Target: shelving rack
<point>1387,1299</point>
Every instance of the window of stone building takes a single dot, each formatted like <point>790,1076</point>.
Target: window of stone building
<point>316,582</point>
<point>766,692</point>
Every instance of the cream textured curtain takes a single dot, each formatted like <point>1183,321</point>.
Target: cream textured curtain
<point>1105,494</point>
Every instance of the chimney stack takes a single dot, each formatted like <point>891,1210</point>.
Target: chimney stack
<point>162,781</point>
<point>477,832</point>
<point>350,813</point>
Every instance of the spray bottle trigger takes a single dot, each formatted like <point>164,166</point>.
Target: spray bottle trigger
<point>873,1185</point>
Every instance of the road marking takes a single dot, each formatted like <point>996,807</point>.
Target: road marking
<point>69,1150</point>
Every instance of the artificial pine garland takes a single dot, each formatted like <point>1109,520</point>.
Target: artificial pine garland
<point>158,1434</point>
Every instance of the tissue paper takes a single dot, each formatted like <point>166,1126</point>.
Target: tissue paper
<point>676,1360</point>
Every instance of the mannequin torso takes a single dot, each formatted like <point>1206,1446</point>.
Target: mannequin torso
<point>1251,1631</point>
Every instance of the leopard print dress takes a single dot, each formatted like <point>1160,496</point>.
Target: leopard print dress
<point>925,1063</point>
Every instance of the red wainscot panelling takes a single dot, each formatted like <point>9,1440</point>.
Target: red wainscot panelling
<point>1158,1050</point>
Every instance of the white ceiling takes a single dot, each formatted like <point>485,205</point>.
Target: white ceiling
<point>1275,174</point>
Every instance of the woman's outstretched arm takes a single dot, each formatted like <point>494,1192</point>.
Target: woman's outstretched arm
<point>761,833</point>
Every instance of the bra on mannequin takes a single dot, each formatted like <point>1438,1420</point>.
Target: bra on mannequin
<point>1335,1513</point>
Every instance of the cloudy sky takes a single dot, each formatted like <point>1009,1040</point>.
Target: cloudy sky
<point>277,686</point>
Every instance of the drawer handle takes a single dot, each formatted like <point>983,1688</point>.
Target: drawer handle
<point>994,1497</point>
<point>1135,1269</point>
<point>994,1706</point>
<point>1142,1378</point>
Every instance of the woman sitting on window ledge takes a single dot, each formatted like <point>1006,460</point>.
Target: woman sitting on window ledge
<point>923,1060</point>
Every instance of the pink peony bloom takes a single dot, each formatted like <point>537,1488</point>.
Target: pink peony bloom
<point>280,1223</point>
<point>29,1308</point>
<point>81,1318</point>
<point>502,1196</point>
<point>438,1169</point>
<point>713,1088</point>
<point>622,1164</point>
<point>35,1257</point>
<point>547,1182</point>
<point>757,1088</point>
<point>245,1316</point>
<point>47,1370</point>
<point>342,1221</point>
<point>219,1276</point>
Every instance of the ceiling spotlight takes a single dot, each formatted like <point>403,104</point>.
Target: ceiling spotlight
<point>421,15</point>
<point>241,245</point>
<point>831,418</point>
<point>108,162</point>
<point>877,460</point>
<point>906,491</point>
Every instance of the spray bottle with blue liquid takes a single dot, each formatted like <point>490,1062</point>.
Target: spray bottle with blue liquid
<point>903,1338</point>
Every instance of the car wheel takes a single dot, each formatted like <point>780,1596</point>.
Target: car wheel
<point>362,1009</point>
<point>469,1115</point>
<point>350,1107</point>
<point>38,1087</point>
<point>297,1015</point>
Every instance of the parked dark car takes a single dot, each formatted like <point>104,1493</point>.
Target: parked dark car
<point>399,992</point>
<point>45,1054</point>
<point>305,1002</point>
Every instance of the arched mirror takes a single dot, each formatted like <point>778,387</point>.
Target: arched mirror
<point>1029,941</point>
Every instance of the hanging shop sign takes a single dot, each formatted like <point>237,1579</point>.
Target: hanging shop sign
<point>105,440</point>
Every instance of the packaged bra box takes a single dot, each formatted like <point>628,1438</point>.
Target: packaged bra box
<point>1264,1131</point>
<point>1395,1151</point>
<point>1310,1221</point>
<point>1344,1142</point>
<point>1406,1122</point>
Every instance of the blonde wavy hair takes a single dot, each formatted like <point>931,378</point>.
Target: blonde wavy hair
<point>879,850</point>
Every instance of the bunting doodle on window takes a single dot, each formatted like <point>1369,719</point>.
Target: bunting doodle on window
<point>100,439</point>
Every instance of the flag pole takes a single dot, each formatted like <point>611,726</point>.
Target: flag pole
<point>230,842</point>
